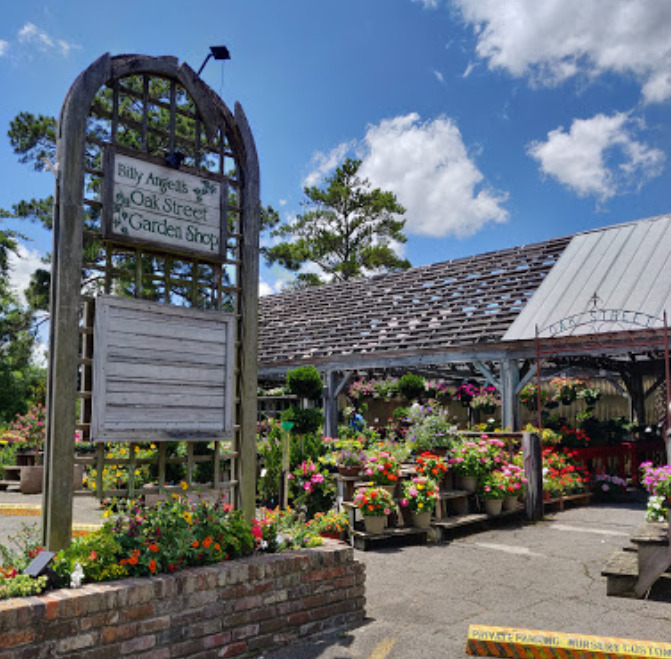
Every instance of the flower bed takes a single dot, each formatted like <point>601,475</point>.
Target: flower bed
<point>239,608</point>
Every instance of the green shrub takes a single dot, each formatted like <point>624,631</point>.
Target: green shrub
<point>305,382</point>
<point>411,386</point>
<point>305,421</point>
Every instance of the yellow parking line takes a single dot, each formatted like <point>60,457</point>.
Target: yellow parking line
<point>383,648</point>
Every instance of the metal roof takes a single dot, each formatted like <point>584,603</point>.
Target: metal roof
<point>606,280</point>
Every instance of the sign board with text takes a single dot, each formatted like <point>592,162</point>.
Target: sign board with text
<point>147,203</point>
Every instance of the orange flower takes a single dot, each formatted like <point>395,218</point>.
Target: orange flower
<point>217,546</point>
<point>207,542</point>
<point>152,566</point>
<point>153,548</point>
<point>132,560</point>
<point>195,544</point>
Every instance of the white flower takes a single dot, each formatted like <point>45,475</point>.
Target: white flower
<point>76,576</point>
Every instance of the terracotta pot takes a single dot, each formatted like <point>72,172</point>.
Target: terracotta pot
<point>349,470</point>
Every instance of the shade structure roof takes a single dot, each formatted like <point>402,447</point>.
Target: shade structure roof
<point>612,279</point>
<point>464,302</point>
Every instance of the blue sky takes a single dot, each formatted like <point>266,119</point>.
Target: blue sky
<point>496,123</point>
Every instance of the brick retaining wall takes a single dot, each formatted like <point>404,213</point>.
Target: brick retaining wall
<point>240,608</point>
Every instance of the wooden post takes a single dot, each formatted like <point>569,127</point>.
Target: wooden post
<point>248,336</point>
<point>533,470</point>
<point>510,402</point>
<point>65,307</point>
<point>331,405</point>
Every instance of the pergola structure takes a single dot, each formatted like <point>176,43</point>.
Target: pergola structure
<point>484,316</point>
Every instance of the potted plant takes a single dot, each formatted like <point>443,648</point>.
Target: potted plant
<point>375,503</point>
<point>419,496</point>
<point>657,481</point>
<point>313,490</point>
<point>350,458</point>
<point>383,469</point>
<point>433,466</point>
<point>430,430</point>
<point>513,480</point>
<point>529,397</point>
<point>493,491</point>
<point>486,400</point>
<point>330,524</point>
<point>470,460</point>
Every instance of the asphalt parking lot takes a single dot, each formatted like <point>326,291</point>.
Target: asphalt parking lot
<point>422,599</point>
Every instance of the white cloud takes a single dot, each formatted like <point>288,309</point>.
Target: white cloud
<point>428,167</point>
<point>551,41</point>
<point>4,47</point>
<point>598,157</point>
<point>429,4</point>
<point>323,163</point>
<point>439,76</point>
<point>21,267</point>
<point>31,35</point>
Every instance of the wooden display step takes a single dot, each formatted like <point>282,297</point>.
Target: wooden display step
<point>454,526</point>
<point>10,485</point>
<point>559,503</point>
<point>401,536</point>
<point>621,572</point>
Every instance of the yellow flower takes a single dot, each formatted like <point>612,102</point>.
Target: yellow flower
<point>175,495</point>
<point>107,513</point>
<point>420,504</point>
<point>188,517</point>
<point>184,485</point>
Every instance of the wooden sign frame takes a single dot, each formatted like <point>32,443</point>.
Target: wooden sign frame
<point>191,229</point>
<point>161,373</point>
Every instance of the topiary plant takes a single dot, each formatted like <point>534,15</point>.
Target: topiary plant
<point>305,382</point>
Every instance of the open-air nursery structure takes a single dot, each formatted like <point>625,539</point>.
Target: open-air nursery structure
<point>568,335</point>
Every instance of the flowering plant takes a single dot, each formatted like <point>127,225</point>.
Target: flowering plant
<point>529,396</point>
<point>608,486</point>
<point>350,455</point>
<point>513,478</point>
<point>313,489</point>
<point>382,467</point>
<point>419,494</point>
<point>28,431</point>
<point>566,389</point>
<point>331,522</point>
<point>277,530</point>
<point>561,475</point>
<point>373,501</point>
<point>430,428</point>
<point>657,480</point>
<point>471,458</point>
<point>486,400</point>
<point>493,485</point>
<point>432,466</point>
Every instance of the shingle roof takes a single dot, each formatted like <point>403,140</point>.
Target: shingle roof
<point>464,302</point>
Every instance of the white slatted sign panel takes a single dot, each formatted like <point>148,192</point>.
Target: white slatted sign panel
<point>161,373</point>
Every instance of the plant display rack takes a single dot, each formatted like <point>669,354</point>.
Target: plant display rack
<point>559,503</point>
<point>457,513</point>
<point>642,568</point>
<point>23,477</point>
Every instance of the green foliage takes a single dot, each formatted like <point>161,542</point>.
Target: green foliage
<point>305,382</point>
<point>305,421</point>
<point>312,488</point>
<point>347,229</point>
<point>33,138</point>
<point>21,585</point>
<point>411,386</point>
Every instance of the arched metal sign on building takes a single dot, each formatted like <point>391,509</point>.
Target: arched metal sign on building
<point>156,224</point>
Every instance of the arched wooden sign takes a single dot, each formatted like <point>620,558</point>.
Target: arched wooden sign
<point>156,225</point>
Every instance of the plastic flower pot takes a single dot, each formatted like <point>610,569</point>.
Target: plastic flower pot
<point>421,520</point>
<point>493,507</point>
<point>374,524</point>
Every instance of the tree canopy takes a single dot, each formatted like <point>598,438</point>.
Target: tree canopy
<point>347,230</point>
